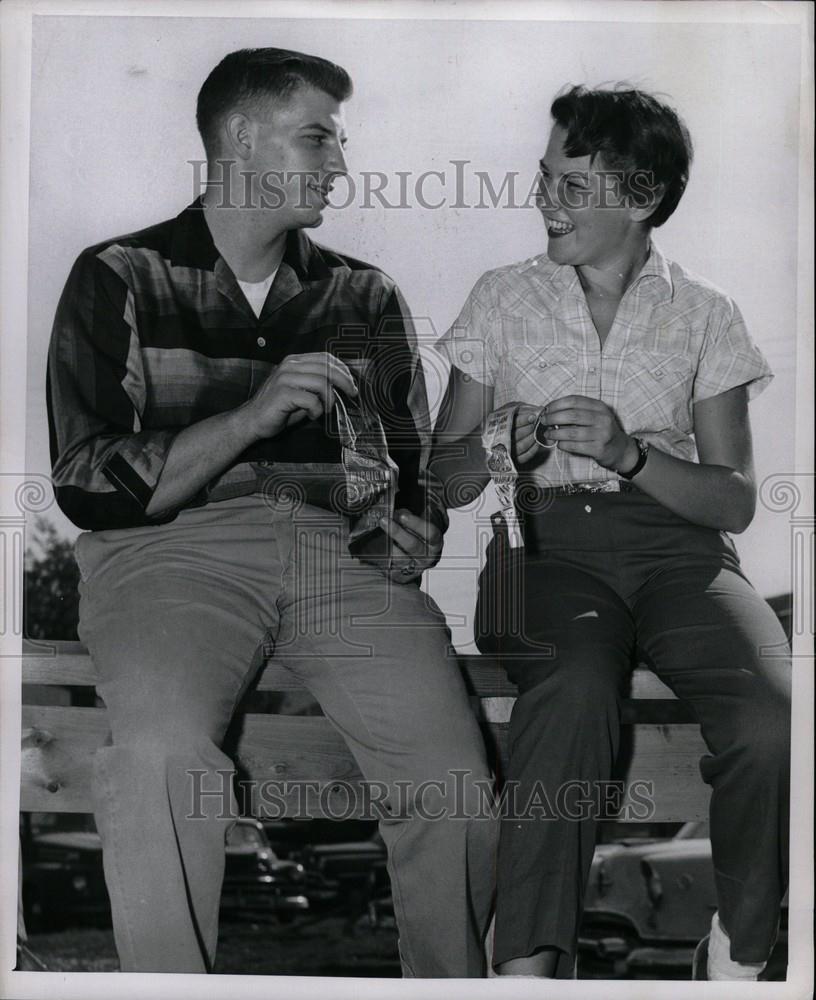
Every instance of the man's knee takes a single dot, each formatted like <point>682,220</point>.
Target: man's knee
<point>185,771</point>
<point>455,785</point>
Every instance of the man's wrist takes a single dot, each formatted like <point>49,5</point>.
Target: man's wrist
<point>242,427</point>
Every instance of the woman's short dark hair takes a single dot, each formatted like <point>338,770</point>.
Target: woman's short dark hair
<point>633,132</point>
<point>250,74</point>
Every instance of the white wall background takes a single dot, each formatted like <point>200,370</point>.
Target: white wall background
<point>113,124</point>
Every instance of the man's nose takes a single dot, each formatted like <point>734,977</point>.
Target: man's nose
<point>336,163</point>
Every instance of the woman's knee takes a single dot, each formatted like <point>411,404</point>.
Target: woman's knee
<point>754,735</point>
<point>578,681</point>
<point>762,735</point>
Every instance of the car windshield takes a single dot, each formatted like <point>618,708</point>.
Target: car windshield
<point>244,835</point>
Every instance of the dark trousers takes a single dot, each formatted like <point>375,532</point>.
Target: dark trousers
<point>606,580</point>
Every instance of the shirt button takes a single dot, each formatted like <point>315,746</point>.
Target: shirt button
<point>588,509</point>
<point>591,371</point>
<point>261,342</point>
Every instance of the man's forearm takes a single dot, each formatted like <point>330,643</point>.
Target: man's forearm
<point>198,454</point>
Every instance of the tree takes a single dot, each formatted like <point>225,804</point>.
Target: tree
<point>51,598</point>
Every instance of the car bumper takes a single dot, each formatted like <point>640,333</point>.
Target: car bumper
<point>257,897</point>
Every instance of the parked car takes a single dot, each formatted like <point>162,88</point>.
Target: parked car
<point>63,878</point>
<point>648,902</point>
<point>348,874</point>
<point>256,880</point>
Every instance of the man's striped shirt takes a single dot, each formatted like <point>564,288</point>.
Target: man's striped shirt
<point>153,334</point>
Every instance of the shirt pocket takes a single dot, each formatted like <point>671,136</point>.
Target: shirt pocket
<point>657,391</point>
<point>539,374</point>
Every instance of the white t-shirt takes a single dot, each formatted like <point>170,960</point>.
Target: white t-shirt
<point>256,291</point>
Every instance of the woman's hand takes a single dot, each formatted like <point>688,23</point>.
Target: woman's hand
<point>525,445</point>
<point>524,441</point>
<point>581,425</point>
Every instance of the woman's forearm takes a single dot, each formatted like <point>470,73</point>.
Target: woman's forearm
<point>460,467</point>
<point>457,457</point>
<point>714,496</point>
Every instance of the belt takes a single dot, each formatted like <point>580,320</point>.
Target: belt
<point>605,486</point>
<point>532,502</point>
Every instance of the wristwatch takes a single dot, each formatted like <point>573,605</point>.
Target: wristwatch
<point>643,454</point>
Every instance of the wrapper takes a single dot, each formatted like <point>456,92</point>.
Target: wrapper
<point>497,441</point>
<point>370,478</point>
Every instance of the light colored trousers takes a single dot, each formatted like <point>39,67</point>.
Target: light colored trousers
<point>175,617</point>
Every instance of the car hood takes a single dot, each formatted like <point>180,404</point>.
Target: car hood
<point>83,840</point>
<point>655,849</point>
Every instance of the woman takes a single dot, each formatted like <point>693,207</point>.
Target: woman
<point>630,379</point>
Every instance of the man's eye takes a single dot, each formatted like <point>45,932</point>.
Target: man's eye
<point>318,140</point>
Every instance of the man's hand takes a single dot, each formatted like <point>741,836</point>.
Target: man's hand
<point>301,386</point>
<point>417,545</point>
<point>580,425</point>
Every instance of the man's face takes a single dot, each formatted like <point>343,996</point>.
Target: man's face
<point>298,153</point>
<point>588,223</point>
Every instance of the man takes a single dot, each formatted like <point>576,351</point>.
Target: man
<point>190,362</point>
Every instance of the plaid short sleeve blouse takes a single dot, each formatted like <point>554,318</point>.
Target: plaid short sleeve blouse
<point>526,330</point>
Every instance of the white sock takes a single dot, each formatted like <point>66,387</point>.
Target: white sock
<point>721,966</point>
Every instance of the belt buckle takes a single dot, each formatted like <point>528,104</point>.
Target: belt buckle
<point>606,486</point>
<point>497,520</point>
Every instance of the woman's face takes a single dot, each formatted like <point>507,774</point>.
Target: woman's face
<point>588,221</point>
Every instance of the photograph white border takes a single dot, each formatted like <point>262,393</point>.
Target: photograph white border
<point>15,88</point>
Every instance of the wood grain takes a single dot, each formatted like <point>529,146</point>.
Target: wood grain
<point>58,744</point>
<point>68,663</point>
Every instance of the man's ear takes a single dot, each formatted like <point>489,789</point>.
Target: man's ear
<point>239,135</point>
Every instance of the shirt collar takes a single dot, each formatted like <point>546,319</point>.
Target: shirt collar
<point>193,246</point>
<point>656,270</point>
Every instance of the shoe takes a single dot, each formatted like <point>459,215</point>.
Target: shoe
<point>699,964</point>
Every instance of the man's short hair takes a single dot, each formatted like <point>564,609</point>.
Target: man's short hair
<point>632,132</point>
<point>254,75</point>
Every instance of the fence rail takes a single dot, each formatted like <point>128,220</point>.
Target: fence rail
<point>661,745</point>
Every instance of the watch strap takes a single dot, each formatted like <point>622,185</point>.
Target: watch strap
<point>643,454</point>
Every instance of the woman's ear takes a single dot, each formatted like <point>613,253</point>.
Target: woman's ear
<point>644,196</point>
